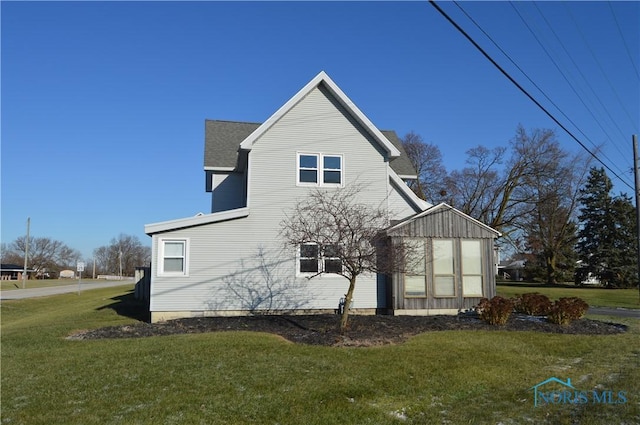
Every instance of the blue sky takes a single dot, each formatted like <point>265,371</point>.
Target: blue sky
<point>103,103</point>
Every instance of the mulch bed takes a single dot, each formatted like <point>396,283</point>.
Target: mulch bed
<point>363,330</point>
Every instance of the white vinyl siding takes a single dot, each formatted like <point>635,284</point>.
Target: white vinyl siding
<point>222,255</point>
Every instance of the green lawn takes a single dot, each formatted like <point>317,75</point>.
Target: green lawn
<point>243,377</point>
<point>600,297</point>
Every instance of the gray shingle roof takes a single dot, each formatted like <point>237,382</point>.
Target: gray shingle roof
<point>223,138</point>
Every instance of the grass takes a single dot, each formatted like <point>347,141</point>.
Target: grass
<point>601,297</point>
<point>244,377</point>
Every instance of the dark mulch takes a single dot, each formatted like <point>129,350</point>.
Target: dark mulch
<point>363,330</point>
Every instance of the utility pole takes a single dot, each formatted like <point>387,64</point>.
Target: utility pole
<point>26,256</point>
<point>636,173</point>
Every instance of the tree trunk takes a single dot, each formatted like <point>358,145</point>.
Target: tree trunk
<point>551,269</point>
<point>347,304</point>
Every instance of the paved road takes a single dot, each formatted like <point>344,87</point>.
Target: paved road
<point>17,294</point>
<point>619,312</point>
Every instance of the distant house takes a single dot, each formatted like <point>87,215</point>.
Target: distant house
<point>14,272</point>
<point>233,261</point>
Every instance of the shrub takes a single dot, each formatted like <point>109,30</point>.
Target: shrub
<point>533,304</point>
<point>495,311</point>
<point>565,310</point>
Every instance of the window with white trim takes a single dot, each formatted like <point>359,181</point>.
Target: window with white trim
<point>471,253</point>
<point>173,257</point>
<point>314,259</point>
<point>443,268</point>
<point>315,169</point>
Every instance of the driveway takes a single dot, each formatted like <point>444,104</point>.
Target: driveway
<point>612,311</point>
<point>18,294</point>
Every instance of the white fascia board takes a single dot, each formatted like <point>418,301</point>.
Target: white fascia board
<point>402,187</point>
<point>198,220</point>
<point>408,176</point>
<point>322,77</point>
<point>221,169</point>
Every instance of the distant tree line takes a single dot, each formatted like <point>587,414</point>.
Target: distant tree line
<point>554,210</point>
<point>47,257</point>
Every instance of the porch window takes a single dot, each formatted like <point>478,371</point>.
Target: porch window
<point>471,268</point>
<point>173,257</point>
<point>443,268</point>
<point>415,277</point>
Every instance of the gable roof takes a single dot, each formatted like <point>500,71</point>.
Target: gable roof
<point>225,139</point>
<point>440,208</point>
<point>322,78</point>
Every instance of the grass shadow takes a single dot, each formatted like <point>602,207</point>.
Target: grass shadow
<point>127,305</point>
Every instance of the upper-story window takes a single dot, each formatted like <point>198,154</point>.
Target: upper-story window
<point>315,169</point>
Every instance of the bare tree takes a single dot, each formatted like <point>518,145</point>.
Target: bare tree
<point>426,158</point>
<point>45,254</point>
<point>123,254</point>
<point>333,224</point>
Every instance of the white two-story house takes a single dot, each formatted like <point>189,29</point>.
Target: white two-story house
<point>233,260</point>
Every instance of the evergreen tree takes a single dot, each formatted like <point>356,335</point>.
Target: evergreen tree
<point>607,244</point>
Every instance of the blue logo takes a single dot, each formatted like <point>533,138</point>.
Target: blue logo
<point>568,394</point>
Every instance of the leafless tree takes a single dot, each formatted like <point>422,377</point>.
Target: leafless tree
<point>348,231</point>
<point>45,254</point>
<point>124,253</point>
<point>426,158</point>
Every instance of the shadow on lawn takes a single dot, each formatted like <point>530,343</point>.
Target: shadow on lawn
<point>127,305</point>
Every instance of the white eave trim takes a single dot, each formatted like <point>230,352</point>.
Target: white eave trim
<point>322,77</point>
<point>408,176</point>
<point>402,187</point>
<point>222,169</point>
<point>198,220</point>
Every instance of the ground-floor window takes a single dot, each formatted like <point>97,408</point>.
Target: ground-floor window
<point>173,257</point>
<point>314,259</point>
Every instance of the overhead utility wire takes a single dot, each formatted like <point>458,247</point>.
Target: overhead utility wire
<point>624,41</point>
<point>606,77</point>
<point>584,78</point>
<point>524,91</point>
<point>527,76</point>
<point>555,63</point>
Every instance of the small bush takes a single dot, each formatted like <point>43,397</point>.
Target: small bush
<point>565,310</point>
<point>495,311</point>
<point>533,304</point>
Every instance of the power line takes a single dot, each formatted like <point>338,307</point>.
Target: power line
<point>524,91</point>
<point>624,40</point>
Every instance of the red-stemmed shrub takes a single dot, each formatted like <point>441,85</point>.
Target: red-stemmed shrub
<point>565,310</point>
<point>533,304</point>
<point>495,311</point>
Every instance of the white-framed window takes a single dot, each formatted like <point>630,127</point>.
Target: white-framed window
<point>317,169</point>
<point>173,257</point>
<point>444,279</point>
<point>314,259</point>
<point>471,253</point>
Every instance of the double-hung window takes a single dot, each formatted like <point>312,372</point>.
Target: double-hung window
<point>315,259</point>
<point>173,257</point>
<point>315,169</point>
